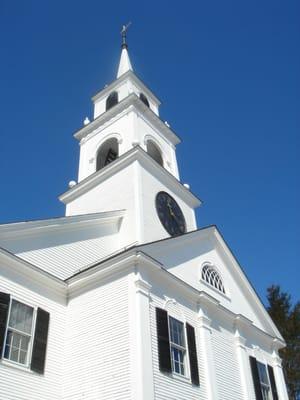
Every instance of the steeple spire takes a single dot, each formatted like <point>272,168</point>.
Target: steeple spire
<point>125,64</point>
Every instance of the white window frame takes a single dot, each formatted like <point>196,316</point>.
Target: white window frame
<point>220,282</point>
<point>178,347</point>
<point>8,328</point>
<point>264,386</point>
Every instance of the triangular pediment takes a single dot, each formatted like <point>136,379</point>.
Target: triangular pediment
<point>186,255</point>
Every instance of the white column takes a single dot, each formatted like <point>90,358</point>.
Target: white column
<point>279,377</point>
<point>143,366</point>
<point>205,333</point>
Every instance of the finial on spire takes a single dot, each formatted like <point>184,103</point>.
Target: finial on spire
<point>125,64</point>
<point>124,35</point>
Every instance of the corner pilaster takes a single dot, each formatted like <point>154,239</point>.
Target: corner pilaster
<point>278,373</point>
<point>141,340</point>
<point>242,354</point>
<point>205,333</point>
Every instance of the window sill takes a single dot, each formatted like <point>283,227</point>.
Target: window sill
<point>14,365</point>
<point>181,378</point>
<point>178,377</point>
<point>225,296</point>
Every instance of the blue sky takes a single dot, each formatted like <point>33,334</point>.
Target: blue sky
<point>227,73</point>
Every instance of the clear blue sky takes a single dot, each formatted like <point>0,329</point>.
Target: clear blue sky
<point>227,73</point>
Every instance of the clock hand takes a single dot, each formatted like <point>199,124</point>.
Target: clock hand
<point>170,209</point>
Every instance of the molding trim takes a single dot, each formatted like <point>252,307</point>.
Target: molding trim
<point>135,154</point>
<point>142,287</point>
<point>134,101</point>
<point>63,224</point>
<point>168,301</point>
<point>204,322</point>
<point>240,341</point>
<point>129,75</point>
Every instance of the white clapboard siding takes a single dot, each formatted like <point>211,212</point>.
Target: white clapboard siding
<point>22,384</point>
<point>97,344</point>
<point>226,365</point>
<point>66,259</point>
<point>166,387</point>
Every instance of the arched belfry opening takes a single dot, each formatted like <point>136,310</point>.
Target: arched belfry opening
<point>112,100</point>
<point>154,151</point>
<point>144,99</point>
<point>107,153</point>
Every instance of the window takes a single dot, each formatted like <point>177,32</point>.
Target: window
<point>144,99</point>
<point>177,346</point>
<point>211,276</point>
<point>264,381</point>
<point>23,333</point>
<point>112,100</point>
<point>107,153</point>
<point>154,152</point>
<point>19,333</point>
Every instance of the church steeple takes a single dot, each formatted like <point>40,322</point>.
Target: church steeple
<point>125,64</point>
<point>127,157</point>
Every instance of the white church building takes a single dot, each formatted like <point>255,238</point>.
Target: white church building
<point>125,298</point>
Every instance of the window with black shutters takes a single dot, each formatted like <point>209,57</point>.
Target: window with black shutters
<point>176,340</point>
<point>263,380</point>
<point>23,333</point>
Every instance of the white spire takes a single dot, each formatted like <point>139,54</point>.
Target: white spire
<point>125,64</point>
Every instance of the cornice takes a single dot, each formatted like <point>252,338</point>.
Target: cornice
<point>118,82</point>
<point>135,154</point>
<point>135,101</point>
<point>62,224</point>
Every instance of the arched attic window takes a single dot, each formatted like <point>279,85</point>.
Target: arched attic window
<point>212,277</point>
<point>144,99</point>
<point>154,152</point>
<point>112,100</point>
<point>107,153</point>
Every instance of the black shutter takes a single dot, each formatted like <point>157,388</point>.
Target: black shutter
<point>162,327</point>
<point>273,383</point>
<point>4,304</point>
<point>190,333</point>
<point>40,341</point>
<point>256,380</point>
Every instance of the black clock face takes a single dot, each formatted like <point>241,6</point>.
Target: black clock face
<point>170,214</point>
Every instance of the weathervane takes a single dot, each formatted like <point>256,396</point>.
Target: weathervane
<point>124,33</point>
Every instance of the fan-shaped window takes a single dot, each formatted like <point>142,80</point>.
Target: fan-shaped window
<point>211,276</point>
<point>154,152</point>
<point>112,100</point>
<point>107,153</point>
<point>144,99</point>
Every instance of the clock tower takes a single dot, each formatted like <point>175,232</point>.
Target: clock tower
<point>128,162</point>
